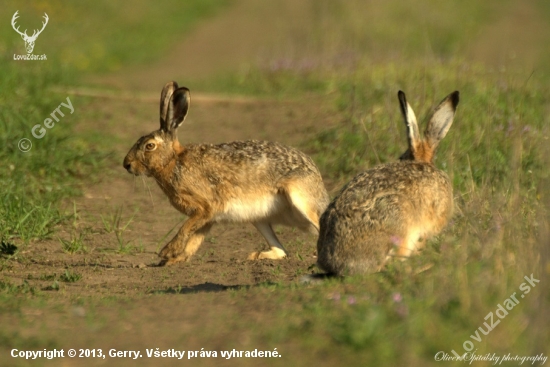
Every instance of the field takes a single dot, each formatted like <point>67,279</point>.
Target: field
<point>80,236</point>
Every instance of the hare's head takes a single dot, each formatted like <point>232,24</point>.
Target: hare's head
<point>153,152</point>
<point>423,149</point>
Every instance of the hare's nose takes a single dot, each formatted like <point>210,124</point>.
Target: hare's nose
<point>127,165</point>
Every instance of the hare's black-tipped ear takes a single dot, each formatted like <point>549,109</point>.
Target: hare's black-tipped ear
<point>165,97</point>
<point>413,134</point>
<point>178,108</point>
<point>441,120</point>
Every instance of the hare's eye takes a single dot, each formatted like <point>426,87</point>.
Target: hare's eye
<point>150,146</point>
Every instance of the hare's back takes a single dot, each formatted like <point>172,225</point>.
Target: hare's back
<point>256,156</point>
<point>407,183</point>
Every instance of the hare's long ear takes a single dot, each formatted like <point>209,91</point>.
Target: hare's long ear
<point>165,97</point>
<point>413,134</point>
<point>178,108</point>
<point>441,120</point>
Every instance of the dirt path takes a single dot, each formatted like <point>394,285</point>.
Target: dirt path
<point>197,316</point>
<point>246,33</point>
<point>238,36</point>
<point>123,264</point>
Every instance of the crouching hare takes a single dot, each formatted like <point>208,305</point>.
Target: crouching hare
<point>390,209</point>
<point>260,182</point>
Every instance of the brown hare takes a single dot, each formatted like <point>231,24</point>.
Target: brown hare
<point>392,208</point>
<point>260,182</point>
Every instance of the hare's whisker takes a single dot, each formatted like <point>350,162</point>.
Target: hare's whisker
<point>149,190</point>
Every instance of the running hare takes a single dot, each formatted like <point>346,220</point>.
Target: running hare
<point>252,181</point>
<point>390,209</point>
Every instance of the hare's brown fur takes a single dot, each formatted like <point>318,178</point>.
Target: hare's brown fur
<point>371,218</point>
<point>390,209</point>
<point>260,182</point>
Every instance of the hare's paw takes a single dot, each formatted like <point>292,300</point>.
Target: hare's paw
<point>273,254</point>
<point>169,251</point>
<point>171,261</point>
<point>169,258</point>
<point>172,254</point>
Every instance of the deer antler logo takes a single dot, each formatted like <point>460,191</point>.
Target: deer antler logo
<point>29,41</point>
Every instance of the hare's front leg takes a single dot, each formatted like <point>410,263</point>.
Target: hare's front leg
<point>186,242</point>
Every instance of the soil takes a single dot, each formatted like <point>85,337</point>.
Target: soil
<point>129,266</point>
<point>220,264</point>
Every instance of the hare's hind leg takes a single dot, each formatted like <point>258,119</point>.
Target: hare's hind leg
<point>277,250</point>
<point>301,202</point>
<point>406,246</point>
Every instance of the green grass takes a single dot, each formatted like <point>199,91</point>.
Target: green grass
<point>338,36</point>
<point>496,154</point>
<point>398,318</point>
<point>35,183</point>
<point>70,277</point>
<point>499,116</point>
<point>128,35</point>
<point>76,243</point>
<point>113,223</point>
<point>10,289</point>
